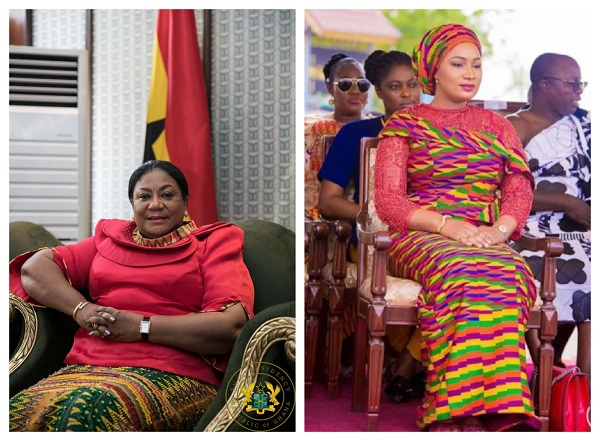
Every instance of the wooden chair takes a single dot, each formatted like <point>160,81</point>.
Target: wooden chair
<point>315,242</point>
<point>378,308</point>
<point>327,291</point>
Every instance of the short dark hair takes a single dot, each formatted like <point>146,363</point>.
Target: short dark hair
<point>379,63</point>
<point>165,166</point>
<point>543,64</point>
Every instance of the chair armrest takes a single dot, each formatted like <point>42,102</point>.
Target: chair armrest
<point>268,340</point>
<point>318,232</point>
<point>42,337</point>
<point>552,246</point>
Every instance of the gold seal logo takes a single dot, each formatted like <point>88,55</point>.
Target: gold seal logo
<point>267,397</point>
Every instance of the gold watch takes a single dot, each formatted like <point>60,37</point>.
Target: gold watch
<point>503,230</point>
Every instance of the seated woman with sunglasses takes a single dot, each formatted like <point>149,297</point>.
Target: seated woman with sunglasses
<point>348,87</point>
<point>395,84</point>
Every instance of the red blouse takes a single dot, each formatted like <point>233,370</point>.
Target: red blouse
<point>202,272</point>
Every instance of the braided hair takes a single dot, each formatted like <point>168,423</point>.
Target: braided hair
<point>379,63</point>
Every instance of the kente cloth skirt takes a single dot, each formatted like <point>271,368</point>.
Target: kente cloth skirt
<point>473,313</point>
<point>93,398</point>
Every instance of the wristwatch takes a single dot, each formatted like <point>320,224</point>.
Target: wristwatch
<point>503,230</point>
<point>145,328</point>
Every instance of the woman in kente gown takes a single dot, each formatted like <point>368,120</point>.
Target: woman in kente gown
<point>452,183</point>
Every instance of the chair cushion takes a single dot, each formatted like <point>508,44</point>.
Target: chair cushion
<point>351,273</point>
<point>399,291</point>
<point>269,254</point>
<point>27,236</point>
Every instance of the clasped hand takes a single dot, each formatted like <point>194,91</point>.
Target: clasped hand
<point>469,234</point>
<point>107,322</point>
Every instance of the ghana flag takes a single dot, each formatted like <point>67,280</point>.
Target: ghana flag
<point>178,127</point>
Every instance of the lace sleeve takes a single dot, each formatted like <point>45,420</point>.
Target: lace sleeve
<point>517,197</point>
<point>390,184</point>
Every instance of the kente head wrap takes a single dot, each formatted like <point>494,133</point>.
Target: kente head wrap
<point>434,45</point>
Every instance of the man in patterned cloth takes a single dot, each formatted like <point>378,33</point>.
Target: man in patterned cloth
<point>556,134</point>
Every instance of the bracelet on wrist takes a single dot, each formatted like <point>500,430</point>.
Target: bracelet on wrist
<point>443,222</point>
<point>78,308</point>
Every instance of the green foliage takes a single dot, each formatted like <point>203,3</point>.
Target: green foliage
<point>414,23</point>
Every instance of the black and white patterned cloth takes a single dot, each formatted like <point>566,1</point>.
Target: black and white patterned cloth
<point>560,161</point>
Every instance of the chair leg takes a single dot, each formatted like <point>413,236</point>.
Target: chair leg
<point>546,358</point>
<point>314,298</point>
<point>375,363</point>
<point>358,376</point>
<point>336,324</point>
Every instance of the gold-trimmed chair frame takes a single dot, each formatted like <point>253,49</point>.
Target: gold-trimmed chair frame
<point>31,330</point>
<point>273,331</point>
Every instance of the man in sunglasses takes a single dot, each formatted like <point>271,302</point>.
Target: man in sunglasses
<point>557,137</point>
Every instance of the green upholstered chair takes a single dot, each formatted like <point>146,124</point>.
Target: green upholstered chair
<point>264,351</point>
<point>42,344</point>
<point>44,350</point>
<point>27,236</point>
<point>266,341</point>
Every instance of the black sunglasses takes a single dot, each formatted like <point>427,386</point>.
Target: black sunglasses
<point>345,84</point>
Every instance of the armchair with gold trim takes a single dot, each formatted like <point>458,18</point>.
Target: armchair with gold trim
<point>41,337</point>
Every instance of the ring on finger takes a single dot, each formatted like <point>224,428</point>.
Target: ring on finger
<point>94,325</point>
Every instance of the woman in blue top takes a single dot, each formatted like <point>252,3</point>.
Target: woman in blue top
<point>396,85</point>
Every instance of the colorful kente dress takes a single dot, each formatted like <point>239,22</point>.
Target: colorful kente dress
<point>560,161</point>
<point>475,302</point>
<point>84,398</point>
<point>108,385</point>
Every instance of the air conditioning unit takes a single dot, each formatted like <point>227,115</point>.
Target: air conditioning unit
<point>49,140</point>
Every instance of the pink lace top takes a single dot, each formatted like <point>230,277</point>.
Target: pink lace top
<point>393,156</point>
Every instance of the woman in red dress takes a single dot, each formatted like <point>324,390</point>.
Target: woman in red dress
<point>167,302</point>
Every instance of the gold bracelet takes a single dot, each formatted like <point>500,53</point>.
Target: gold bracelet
<point>444,219</point>
<point>77,308</point>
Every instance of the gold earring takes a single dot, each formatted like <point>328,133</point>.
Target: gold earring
<point>185,213</point>
<point>437,80</point>
<point>331,101</point>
